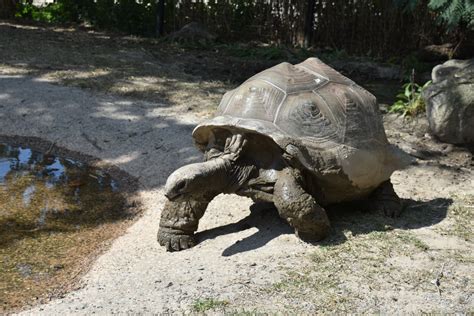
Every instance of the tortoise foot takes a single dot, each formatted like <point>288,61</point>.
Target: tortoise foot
<point>386,199</point>
<point>174,240</point>
<point>311,237</point>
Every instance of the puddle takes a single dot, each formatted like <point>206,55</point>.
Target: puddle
<point>55,214</point>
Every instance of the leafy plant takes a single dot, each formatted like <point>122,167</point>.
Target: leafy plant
<point>410,101</point>
<point>56,12</point>
<point>454,12</point>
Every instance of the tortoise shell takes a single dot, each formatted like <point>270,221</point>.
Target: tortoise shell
<point>314,114</point>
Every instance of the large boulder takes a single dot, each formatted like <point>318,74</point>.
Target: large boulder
<point>450,101</point>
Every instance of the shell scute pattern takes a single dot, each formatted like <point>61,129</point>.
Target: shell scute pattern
<point>309,100</point>
<point>254,99</point>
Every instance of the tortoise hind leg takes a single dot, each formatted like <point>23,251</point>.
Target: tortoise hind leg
<point>385,199</point>
<point>299,208</point>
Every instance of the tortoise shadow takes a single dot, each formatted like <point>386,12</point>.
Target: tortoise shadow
<point>358,221</point>
<point>263,216</point>
<point>344,217</point>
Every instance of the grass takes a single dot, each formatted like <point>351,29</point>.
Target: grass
<point>461,215</point>
<point>376,267</point>
<point>207,304</point>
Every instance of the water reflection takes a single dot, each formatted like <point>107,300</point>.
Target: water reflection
<point>17,162</point>
<point>54,211</point>
<point>41,185</point>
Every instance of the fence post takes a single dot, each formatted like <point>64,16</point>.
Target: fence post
<point>308,24</point>
<point>160,17</point>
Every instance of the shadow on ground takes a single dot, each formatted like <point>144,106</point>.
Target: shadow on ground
<point>264,217</point>
<point>142,138</point>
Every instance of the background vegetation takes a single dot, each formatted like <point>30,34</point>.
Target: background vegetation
<point>374,28</point>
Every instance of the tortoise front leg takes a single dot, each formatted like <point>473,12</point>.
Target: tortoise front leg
<point>179,221</point>
<point>299,208</point>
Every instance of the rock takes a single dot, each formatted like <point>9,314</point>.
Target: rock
<point>192,33</point>
<point>450,101</point>
<point>436,52</point>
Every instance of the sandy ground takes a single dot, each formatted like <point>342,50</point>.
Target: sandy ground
<point>147,141</point>
<point>236,256</point>
<point>250,261</point>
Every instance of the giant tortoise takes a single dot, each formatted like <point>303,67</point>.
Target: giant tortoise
<point>299,136</point>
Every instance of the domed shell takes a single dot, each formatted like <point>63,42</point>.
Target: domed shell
<point>308,101</point>
<point>312,112</point>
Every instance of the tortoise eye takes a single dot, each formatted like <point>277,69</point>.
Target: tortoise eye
<point>180,186</point>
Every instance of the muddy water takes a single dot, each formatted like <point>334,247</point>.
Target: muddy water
<point>54,212</point>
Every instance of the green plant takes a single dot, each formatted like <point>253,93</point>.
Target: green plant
<point>410,101</point>
<point>454,12</point>
<point>205,304</point>
<point>57,12</point>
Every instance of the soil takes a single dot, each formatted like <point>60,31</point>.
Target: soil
<point>133,103</point>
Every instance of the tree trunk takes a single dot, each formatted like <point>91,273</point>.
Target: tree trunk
<point>7,8</point>
<point>160,17</point>
<point>308,24</point>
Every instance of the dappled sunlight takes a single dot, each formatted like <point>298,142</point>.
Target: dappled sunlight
<point>19,26</point>
<point>135,135</point>
<point>121,160</point>
<point>111,110</point>
<point>75,74</point>
<point>133,67</point>
<point>128,106</point>
<point>17,70</point>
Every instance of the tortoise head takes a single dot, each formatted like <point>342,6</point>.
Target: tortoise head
<point>202,181</point>
<point>194,181</point>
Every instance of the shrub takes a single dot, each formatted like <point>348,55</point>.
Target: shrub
<point>410,101</point>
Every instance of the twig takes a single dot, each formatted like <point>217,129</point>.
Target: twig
<point>437,281</point>
<point>91,141</point>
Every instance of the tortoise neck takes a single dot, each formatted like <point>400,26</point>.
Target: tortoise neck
<point>237,175</point>
<point>225,176</point>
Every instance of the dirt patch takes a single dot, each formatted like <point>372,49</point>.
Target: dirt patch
<point>185,78</point>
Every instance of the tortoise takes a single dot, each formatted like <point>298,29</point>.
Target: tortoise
<point>299,136</point>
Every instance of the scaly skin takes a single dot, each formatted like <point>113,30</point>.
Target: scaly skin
<point>179,221</point>
<point>299,208</point>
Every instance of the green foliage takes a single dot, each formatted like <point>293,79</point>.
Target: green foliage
<point>454,12</point>
<point>410,101</point>
<point>203,305</point>
<point>130,16</point>
<point>51,13</point>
